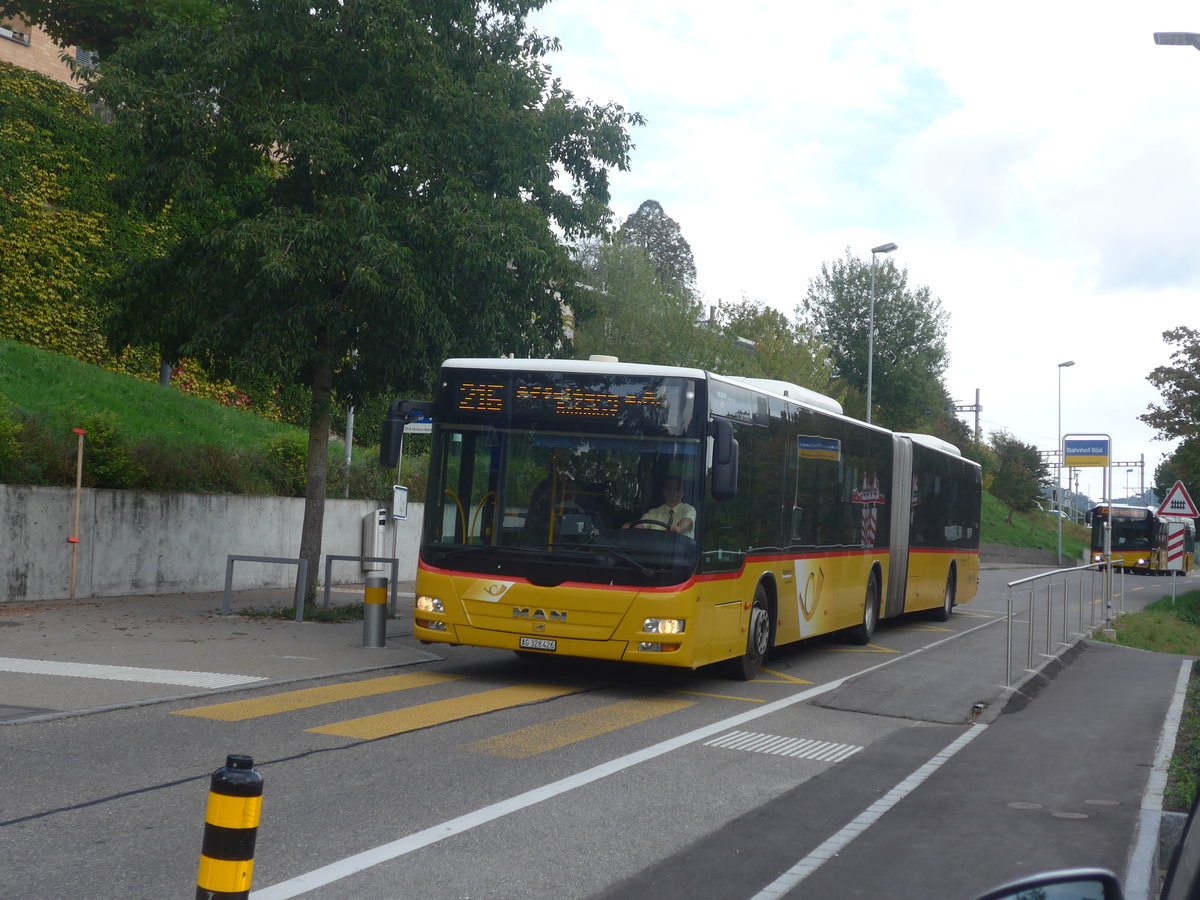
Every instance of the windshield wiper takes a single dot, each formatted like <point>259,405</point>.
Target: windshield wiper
<point>620,557</point>
<point>573,550</point>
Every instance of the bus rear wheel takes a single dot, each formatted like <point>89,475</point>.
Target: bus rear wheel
<point>942,613</point>
<point>862,634</point>
<point>758,639</point>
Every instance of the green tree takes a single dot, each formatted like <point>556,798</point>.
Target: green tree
<point>664,244</point>
<point>783,350</point>
<point>1020,473</point>
<point>910,354</point>
<point>634,316</point>
<point>1179,384</point>
<point>101,24</point>
<point>366,175</point>
<point>1182,465</point>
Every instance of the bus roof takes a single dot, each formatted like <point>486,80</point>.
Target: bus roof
<point>930,441</point>
<point>786,389</point>
<point>581,366</point>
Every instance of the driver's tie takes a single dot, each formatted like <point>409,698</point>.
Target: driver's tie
<point>670,517</point>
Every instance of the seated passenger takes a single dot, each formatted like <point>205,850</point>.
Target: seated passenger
<point>676,515</point>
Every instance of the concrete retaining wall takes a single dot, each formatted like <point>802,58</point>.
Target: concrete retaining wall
<point>135,542</point>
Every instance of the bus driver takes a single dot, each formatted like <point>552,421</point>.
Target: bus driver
<point>676,515</point>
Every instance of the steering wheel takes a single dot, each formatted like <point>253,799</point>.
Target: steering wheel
<point>662,525</point>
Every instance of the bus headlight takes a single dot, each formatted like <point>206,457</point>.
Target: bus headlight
<point>1141,561</point>
<point>429,604</point>
<point>663,626</point>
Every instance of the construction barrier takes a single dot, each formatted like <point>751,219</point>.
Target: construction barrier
<point>230,829</point>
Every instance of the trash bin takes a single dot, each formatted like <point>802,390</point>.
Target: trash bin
<point>373,525</point>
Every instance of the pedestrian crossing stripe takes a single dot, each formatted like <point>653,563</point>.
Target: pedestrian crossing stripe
<point>535,739</point>
<point>439,712</point>
<point>290,701</point>
<point>180,677</point>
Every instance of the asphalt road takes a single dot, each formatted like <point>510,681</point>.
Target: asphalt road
<point>842,772</point>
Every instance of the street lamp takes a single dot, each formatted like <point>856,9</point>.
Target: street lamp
<point>882,248</point>
<point>1061,457</point>
<point>1177,38</point>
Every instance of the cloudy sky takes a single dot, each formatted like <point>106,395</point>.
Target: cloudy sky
<point>1038,164</point>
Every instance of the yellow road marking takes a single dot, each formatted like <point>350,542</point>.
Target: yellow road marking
<point>780,678</point>
<point>869,648</point>
<point>918,627</point>
<point>720,696</point>
<point>289,701</point>
<point>536,739</point>
<point>440,711</point>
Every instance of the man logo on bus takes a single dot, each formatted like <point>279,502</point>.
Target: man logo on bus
<point>539,615</point>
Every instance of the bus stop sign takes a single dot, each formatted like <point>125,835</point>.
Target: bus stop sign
<point>1178,503</point>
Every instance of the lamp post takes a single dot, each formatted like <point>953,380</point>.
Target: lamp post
<point>1180,38</point>
<point>1061,457</point>
<point>875,251</point>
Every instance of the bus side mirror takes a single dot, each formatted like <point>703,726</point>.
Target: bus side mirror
<point>390,442</point>
<point>725,461</point>
<point>391,439</point>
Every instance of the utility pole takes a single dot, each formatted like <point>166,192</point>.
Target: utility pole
<point>976,408</point>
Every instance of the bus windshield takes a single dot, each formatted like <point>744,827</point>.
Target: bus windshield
<point>1131,530</point>
<point>555,506</point>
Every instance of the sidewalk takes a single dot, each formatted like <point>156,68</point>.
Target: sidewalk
<point>148,648</point>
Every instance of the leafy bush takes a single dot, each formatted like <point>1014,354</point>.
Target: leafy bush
<point>10,447</point>
<point>285,457</point>
<point>108,461</point>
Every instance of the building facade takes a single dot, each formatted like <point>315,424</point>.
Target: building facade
<point>30,48</point>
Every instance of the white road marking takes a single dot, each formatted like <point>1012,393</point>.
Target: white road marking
<point>1145,844</point>
<point>124,673</point>
<point>344,868</point>
<point>868,817</point>
<point>799,748</point>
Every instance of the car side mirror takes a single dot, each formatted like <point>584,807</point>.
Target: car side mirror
<point>1065,884</point>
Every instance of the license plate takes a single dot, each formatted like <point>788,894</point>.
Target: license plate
<point>529,643</point>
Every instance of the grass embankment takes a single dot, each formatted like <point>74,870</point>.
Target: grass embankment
<point>1037,530</point>
<point>143,436</point>
<point>1173,627</point>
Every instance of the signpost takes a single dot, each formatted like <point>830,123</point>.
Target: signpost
<point>1177,503</point>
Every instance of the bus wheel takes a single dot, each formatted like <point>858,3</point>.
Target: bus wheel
<point>861,634</point>
<point>942,614</point>
<point>758,639</point>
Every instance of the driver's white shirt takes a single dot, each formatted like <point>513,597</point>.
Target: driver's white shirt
<point>674,514</point>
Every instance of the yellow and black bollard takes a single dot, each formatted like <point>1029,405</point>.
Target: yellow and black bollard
<point>230,828</point>
<point>375,611</point>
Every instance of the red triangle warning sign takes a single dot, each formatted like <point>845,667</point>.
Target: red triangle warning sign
<point>1178,503</point>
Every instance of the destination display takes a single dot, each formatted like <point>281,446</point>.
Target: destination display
<point>643,405</point>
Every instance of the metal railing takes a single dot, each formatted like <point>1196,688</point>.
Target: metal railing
<point>1058,599</point>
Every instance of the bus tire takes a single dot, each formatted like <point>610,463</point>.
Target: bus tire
<point>758,639</point>
<point>862,634</point>
<point>942,613</point>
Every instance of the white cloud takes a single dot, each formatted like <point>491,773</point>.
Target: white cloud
<point>1037,163</point>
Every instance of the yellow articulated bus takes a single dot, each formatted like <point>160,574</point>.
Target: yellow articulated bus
<point>673,516</point>
<point>1140,538</point>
